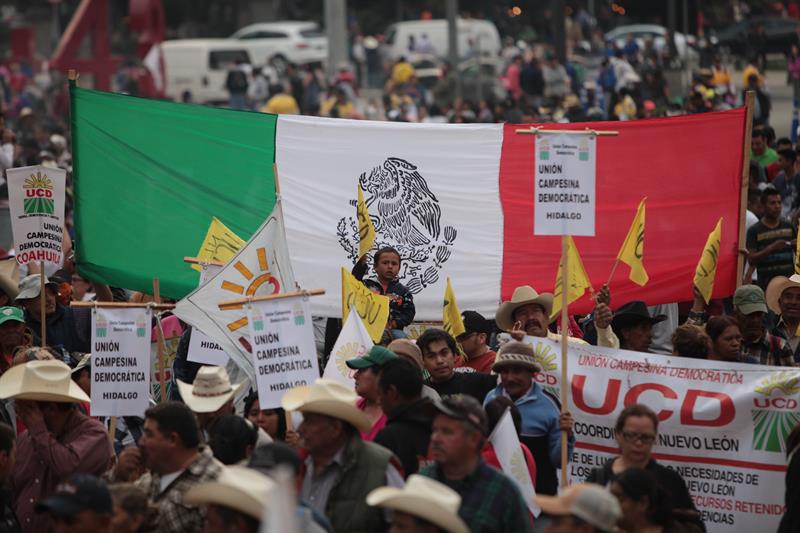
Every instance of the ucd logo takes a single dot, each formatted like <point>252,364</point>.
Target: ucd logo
<point>773,423</point>
<point>38,195</point>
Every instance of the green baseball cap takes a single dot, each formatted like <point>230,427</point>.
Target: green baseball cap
<point>376,356</point>
<point>749,299</point>
<point>11,313</point>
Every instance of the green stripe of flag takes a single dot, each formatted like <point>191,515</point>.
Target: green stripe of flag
<point>149,175</point>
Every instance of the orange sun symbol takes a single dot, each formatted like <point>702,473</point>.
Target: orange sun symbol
<point>263,283</point>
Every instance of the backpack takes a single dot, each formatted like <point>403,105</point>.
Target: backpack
<point>237,81</point>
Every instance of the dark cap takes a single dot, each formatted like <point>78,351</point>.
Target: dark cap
<point>475,322</point>
<point>81,493</point>
<point>466,408</point>
<point>376,356</point>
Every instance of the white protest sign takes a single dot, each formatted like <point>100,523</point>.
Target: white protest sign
<point>564,184</point>
<point>284,353</point>
<point>36,201</point>
<point>723,426</point>
<point>120,361</point>
<point>202,348</point>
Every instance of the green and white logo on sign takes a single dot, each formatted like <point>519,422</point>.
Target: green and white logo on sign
<point>771,427</point>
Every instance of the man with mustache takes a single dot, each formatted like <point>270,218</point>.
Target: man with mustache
<point>529,313</point>
<point>783,298</point>
<point>542,418</point>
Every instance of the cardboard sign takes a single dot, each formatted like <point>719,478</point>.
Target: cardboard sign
<point>36,198</point>
<point>284,353</point>
<point>564,184</point>
<point>120,361</point>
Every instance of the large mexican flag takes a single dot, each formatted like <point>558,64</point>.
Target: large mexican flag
<point>456,200</point>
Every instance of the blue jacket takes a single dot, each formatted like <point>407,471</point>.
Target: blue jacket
<point>540,411</point>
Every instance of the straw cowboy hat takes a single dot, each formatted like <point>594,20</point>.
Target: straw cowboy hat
<point>423,498</point>
<point>776,286</point>
<point>211,389</point>
<point>523,295</point>
<point>327,397</point>
<point>237,487</point>
<point>44,381</point>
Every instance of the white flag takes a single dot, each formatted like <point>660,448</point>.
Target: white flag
<point>509,453</point>
<point>261,267</point>
<point>280,513</point>
<point>353,341</point>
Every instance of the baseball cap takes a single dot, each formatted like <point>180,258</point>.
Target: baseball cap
<point>591,503</point>
<point>750,299</point>
<point>466,408</point>
<point>81,493</point>
<point>10,313</point>
<point>376,356</point>
<point>475,322</point>
<point>31,286</point>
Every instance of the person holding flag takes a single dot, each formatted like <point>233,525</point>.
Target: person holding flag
<point>386,263</point>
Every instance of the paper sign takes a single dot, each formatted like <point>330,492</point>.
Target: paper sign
<point>120,361</point>
<point>284,353</point>
<point>564,184</point>
<point>36,198</point>
<point>202,348</point>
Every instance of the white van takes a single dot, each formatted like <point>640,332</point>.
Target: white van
<point>473,34</point>
<point>200,66</point>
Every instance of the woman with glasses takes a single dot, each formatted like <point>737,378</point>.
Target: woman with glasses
<point>637,431</point>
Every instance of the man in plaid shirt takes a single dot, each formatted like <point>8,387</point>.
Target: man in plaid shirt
<point>490,501</point>
<point>170,448</point>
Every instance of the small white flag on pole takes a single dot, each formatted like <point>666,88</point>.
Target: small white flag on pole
<point>509,453</point>
<point>280,513</point>
<point>353,341</point>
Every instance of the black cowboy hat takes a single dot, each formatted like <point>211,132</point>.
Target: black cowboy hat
<point>632,313</point>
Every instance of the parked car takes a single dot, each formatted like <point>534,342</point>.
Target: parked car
<point>299,42</point>
<point>200,67</point>
<point>474,36</point>
<point>780,35</point>
<point>641,32</point>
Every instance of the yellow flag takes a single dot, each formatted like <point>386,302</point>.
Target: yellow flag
<point>366,230</point>
<point>577,276</point>
<point>707,266</point>
<point>453,324</point>
<point>632,251</point>
<point>220,244</point>
<point>372,308</point>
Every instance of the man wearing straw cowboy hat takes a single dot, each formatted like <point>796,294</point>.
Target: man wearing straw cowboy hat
<point>422,506</point>
<point>235,501</point>
<point>60,441</point>
<point>529,313</point>
<point>783,299</point>
<point>210,396</point>
<point>340,469</point>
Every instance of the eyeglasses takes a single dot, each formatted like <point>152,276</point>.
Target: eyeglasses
<point>644,438</point>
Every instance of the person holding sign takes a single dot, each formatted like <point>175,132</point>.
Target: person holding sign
<point>60,440</point>
<point>341,468</point>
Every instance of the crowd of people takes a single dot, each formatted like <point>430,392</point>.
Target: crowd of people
<point>406,449</point>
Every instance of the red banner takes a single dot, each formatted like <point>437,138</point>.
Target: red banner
<point>690,170</point>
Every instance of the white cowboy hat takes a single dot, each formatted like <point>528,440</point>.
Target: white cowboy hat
<point>523,295</point>
<point>210,390</point>
<point>31,286</point>
<point>327,397</point>
<point>776,286</point>
<point>423,498</point>
<point>42,380</point>
<point>237,487</point>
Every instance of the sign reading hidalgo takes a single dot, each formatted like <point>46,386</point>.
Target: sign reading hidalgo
<point>722,426</point>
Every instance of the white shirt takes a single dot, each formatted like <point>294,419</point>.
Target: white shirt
<point>167,479</point>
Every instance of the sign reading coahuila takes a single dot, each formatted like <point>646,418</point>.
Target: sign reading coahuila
<point>36,198</point>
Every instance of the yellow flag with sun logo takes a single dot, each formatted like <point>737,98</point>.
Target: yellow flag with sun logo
<point>632,251</point>
<point>373,308</point>
<point>707,266</point>
<point>366,229</point>
<point>220,244</point>
<point>578,279</point>
<point>453,323</point>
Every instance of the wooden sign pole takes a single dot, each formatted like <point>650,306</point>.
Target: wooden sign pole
<point>748,132</point>
<point>162,382</point>
<point>43,303</point>
<point>564,345</point>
